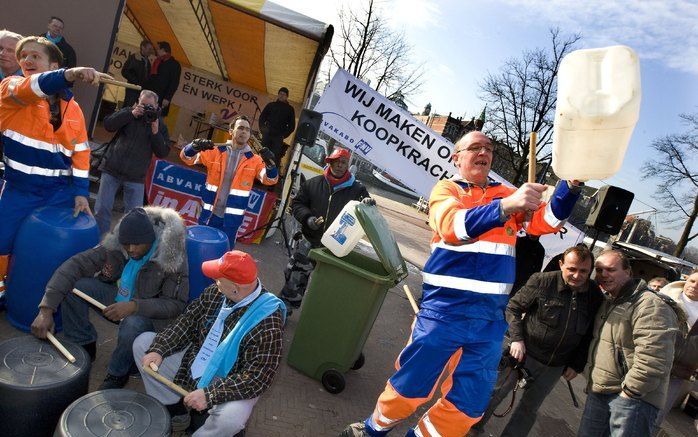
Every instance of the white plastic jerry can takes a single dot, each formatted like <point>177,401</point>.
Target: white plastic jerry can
<point>345,231</point>
<point>598,105</point>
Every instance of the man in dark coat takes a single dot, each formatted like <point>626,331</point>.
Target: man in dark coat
<point>277,121</point>
<point>318,202</point>
<point>164,76</point>
<point>551,320</point>
<point>55,35</point>
<point>127,160</point>
<point>139,271</point>
<point>136,71</point>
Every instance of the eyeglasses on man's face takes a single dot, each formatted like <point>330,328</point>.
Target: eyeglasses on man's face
<point>474,148</point>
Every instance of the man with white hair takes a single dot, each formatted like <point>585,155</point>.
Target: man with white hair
<point>467,279</point>
<point>8,60</point>
<point>140,133</point>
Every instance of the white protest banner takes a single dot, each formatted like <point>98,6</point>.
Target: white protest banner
<point>378,130</point>
<point>381,132</point>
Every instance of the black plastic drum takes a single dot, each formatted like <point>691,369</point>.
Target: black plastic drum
<point>37,383</point>
<point>115,413</point>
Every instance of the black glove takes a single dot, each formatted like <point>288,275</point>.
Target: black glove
<point>312,224</point>
<point>267,156</point>
<point>201,144</point>
<point>368,201</point>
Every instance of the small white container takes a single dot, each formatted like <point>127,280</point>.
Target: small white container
<point>598,105</point>
<point>345,231</point>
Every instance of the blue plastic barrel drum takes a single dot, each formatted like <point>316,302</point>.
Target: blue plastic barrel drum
<point>203,243</point>
<point>47,238</point>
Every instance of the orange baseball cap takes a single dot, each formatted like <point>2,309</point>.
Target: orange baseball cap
<point>236,266</point>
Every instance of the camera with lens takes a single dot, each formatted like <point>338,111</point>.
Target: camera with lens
<point>150,113</point>
<point>524,376</point>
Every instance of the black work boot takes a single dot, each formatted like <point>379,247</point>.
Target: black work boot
<point>91,349</point>
<point>112,381</point>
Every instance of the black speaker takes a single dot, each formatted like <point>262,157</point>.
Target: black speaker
<point>308,127</point>
<point>611,205</point>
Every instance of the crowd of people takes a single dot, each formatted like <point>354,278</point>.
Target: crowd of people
<point>635,342</point>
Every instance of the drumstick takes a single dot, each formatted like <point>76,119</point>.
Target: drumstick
<point>532,158</point>
<point>165,381</point>
<point>415,308</point>
<point>60,347</point>
<point>89,299</point>
<point>105,78</point>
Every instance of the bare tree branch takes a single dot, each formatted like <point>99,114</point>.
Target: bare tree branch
<point>671,164</point>
<point>521,98</point>
<point>367,48</point>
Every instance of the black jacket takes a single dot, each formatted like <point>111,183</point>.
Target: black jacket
<point>136,71</point>
<point>129,157</point>
<point>278,119</point>
<point>558,323</point>
<point>162,284</point>
<point>314,199</point>
<point>165,83</point>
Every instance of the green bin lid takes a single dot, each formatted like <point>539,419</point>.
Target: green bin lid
<point>382,240</point>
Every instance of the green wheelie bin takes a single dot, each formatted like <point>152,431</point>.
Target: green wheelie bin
<point>342,302</point>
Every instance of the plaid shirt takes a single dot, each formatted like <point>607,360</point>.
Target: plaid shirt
<point>258,357</point>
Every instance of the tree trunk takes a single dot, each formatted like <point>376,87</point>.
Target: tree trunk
<point>681,245</point>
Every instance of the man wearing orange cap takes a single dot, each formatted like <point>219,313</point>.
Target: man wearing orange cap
<point>317,204</point>
<point>225,349</point>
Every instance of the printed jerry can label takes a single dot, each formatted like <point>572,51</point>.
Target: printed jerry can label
<point>345,221</point>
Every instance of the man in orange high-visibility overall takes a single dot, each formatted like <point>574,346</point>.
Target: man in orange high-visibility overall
<point>43,134</point>
<point>466,282</point>
<point>231,171</point>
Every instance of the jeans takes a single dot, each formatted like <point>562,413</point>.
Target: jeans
<point>224,419</point>
<point>108,186</point>
<point>611,415</point>
<point>78,328</point>
<point>523,416</point>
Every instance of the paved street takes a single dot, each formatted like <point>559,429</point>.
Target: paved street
<point>296,405</point>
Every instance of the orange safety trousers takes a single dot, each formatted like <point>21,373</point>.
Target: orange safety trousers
<point>465,354</point>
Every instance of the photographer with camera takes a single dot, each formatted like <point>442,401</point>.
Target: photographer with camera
<point>550,328</point>
<point>140,133</point>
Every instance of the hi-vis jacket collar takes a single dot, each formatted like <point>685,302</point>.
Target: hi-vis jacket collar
<point>467,184</point>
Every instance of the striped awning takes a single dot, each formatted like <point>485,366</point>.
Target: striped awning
<point>254,43</point>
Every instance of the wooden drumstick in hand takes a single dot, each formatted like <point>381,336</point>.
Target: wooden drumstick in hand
<point>57,344</point>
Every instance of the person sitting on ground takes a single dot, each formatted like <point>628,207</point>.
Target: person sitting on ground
<point>684,371</point>
<point>656,284</point>
<point>143,278</point>
<point>225,349</point>
<point>318,202</point>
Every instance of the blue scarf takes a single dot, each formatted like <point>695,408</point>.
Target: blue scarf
<point>55,40</point>
<point>128,276</point>
<point>226,354</point>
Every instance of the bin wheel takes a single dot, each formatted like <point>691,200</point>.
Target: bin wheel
<point>359,363</point>
<point>333,381</point>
